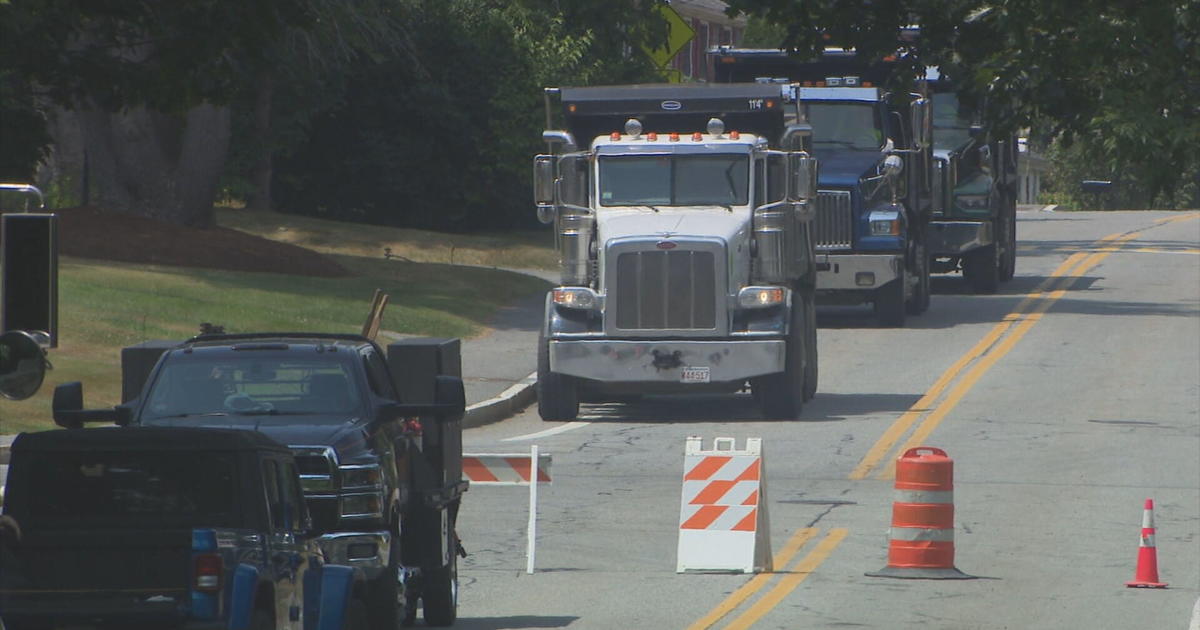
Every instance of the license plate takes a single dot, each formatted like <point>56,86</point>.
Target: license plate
<point>694,375</point>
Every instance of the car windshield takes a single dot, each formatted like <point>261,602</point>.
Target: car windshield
<point>674,180</point>
<point>100,489</point>
<point>251,384</point>
<point>844,125</point>
<point>951,124</point>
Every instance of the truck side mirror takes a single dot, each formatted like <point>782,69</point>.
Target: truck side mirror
<point>543,181</point>
<point>802,168</point>
<point>69,413</point>
<point>921,126</point>
<point>22,365</point>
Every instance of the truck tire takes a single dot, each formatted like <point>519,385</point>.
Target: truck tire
<point>440,595</point>
<point>810,364</point>
<point>981,268</point>
<point>919,301</point>
<point>557,394</point>
<point>356,616</point>
<point>889,302</point>
<point>781,395</point>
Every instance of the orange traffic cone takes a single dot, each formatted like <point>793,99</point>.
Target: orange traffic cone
<point>1147,562</point>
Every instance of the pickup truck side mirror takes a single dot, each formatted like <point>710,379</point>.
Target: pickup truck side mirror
<point>69,413</point>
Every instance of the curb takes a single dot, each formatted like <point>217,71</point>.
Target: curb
<point>508,403</point>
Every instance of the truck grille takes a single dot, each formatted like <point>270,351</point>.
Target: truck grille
<point>834,222</point>
<point>655,290</point>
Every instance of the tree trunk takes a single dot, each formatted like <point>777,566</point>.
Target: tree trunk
<point>156,165</point>
<point>260,174</point>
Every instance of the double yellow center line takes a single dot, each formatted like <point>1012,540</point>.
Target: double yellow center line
<point>933,407</point>
<point>792,577</point>
<point>930,410</point>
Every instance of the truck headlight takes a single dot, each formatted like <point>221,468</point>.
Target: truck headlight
<point>760,297</point>
<point>361,505</point>
<point>885,223</point>
<point>581,298</point>
<point>361,476</point>
<point>971,202</point>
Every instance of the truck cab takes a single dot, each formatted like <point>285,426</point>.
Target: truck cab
<point>682,218</point>
<point>192,529</point>
<point>874,194</point>
<point>382,479</point>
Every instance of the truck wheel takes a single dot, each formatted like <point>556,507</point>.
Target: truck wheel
<point>889,302</point>
<point>919,302</point>
<point>810,364</point>
<point>356,616</point>
<point>982,269</point>
<point>557,394</point>
<point>440,595</point>
<point>782,395</point>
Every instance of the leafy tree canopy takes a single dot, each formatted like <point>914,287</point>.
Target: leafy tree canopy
<point>1122,77</point>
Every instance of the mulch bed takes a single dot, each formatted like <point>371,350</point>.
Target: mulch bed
<point>88,232</point>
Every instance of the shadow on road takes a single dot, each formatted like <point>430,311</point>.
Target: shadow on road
<point>515,622</point>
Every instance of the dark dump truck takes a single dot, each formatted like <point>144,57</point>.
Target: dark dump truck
<point>968,186</point>
<point>376,434</point>
<point>874,199</point>
<point>974,226</point>
<point>159,529</point>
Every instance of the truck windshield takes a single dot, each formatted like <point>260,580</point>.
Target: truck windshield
<point>251,384</point>
<point>674,180</point>
<point>844,125</point>
<point>951,124</point>
<point>99,489</point>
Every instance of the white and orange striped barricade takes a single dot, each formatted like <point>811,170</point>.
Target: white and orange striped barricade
<point>723,524</point>
<point>512,469</point>
<point>921,544</point>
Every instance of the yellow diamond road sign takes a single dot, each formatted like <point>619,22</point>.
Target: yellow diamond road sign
<point>679,33</point>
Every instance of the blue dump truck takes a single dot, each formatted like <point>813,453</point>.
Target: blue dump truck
<point>376,435</point>
<point>875,193</point>
<point>153,528</point>
<point>962,194</point>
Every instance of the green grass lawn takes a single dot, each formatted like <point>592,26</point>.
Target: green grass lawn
<point>531,249</point>
<point>104,306</point>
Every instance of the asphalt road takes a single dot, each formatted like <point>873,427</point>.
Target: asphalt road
<point>1065,400</point>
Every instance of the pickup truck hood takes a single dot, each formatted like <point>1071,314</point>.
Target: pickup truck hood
<point>843,169</point>
<point>289,430</point>
<point>709,221</point>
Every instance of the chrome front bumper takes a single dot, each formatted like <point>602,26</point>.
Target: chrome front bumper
<point>840,271</point>
<point>367,550</point>
<point>954,238</point>
<point>665,361</point>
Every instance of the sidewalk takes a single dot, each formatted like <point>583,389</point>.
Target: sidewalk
<point>499,369</point>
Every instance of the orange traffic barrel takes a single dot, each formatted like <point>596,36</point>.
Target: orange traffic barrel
<point>921,540</point>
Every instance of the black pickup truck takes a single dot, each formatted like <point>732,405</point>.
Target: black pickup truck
<point>377,439</point>
<point>190,529</point>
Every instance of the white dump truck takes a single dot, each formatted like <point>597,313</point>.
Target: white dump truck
<point>683,218</point>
